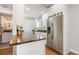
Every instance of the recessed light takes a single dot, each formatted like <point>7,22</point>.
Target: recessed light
<point>42,12</point>
<point>27,8</point>
<point>35,17</point>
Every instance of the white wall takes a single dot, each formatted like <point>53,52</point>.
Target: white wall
<point>38,23</point>
<point>29,25</point>
<point>74,27</point>
<point>18,16</point>
<point>44,21</point>
<point>66,29</point>
<point>70,28</point>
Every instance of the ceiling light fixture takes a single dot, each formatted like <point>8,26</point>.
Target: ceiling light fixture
<point>35,17</point>
<point>27,8</point>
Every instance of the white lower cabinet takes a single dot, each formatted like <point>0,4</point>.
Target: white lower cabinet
<point>32,48</point>
<point>40,35</point>
<point>6,37</point>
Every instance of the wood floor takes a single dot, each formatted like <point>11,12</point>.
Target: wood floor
<point>6,50</point>
<point>49,51</point>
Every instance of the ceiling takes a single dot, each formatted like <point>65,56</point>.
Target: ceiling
<point>31,10</point>
<point>6,5</point>
<point>35,10</point>
<point>46,5</point>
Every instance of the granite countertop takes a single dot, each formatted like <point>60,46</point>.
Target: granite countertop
<point>6,45</point>
<point>7,30</point>
<point>25,42</point>
<point>14,41</point>
<point>40,30</point>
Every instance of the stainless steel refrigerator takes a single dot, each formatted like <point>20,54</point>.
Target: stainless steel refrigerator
<point>55,32</point>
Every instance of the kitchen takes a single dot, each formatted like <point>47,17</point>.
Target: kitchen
<point>34,28</point>
<point>38,29</point>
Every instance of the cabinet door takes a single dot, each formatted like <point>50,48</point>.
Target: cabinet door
<point>6,37</point>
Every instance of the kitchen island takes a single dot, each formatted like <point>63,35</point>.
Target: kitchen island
<point>10,48</point>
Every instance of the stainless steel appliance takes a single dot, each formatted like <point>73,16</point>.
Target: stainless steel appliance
<point>55,32</point>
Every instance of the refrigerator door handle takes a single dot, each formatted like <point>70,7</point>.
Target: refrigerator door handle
<point>52,30</point>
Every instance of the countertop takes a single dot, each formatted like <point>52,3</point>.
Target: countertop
<point>40,30</point>
<point>15,42</point>
<point>5,30</point>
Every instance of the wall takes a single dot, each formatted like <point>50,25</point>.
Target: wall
<point>18,16</point>
<point>5,23</point>
<point>74,27</point>
<point>6,36</point>
<point>66,29</point>
<point>29,25</point>
<point>38,23</point>
<point>44,21</point>
<point>70,28</point>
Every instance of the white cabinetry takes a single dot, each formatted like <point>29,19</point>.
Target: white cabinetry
<point>33,48</point>
<point>6,37</point>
